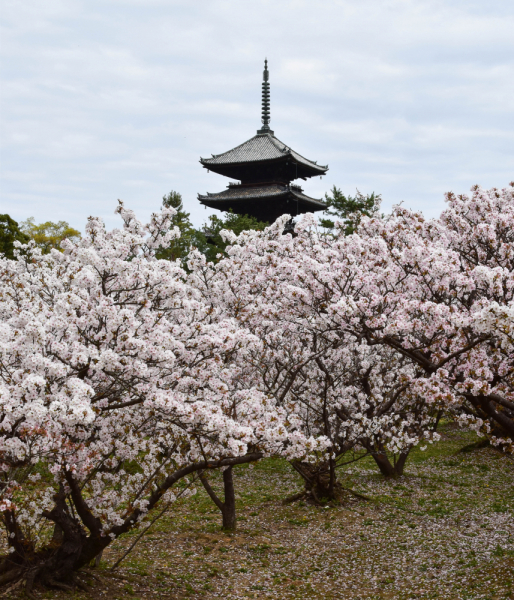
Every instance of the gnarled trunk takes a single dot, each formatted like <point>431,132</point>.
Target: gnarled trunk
<point>78,537</point>
<point>56,564</point>
<point>386,467</point>
<point>320,481</point>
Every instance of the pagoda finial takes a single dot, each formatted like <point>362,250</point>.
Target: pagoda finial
<point>265,101</point>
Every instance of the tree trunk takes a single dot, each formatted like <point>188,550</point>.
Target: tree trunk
<point>383,463</point>
<point>437,419</point>
<point>320,480</point>
<point>400,463</point>
<point>77,538</point>
<point>228,505</point>
<point>386,467</point>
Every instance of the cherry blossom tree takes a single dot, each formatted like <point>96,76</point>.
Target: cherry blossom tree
<point>116,384</point>
<point>123,377</point>
<point>330,381</point>
<point>443,298</point>
<point>368,338</point>
<point>481,231</point>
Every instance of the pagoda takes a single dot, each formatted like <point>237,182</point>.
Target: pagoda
<point>263,168</point>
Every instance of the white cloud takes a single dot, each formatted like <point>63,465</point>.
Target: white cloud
<point>107,99</point>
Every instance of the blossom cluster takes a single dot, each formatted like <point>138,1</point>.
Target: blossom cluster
<point>369,338</point>
<point>116,374</point>
<point>121,374</point>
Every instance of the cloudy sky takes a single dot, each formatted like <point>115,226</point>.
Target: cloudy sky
<point>108,99</point>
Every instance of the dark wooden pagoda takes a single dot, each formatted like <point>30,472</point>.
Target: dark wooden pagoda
<point>264,168</point>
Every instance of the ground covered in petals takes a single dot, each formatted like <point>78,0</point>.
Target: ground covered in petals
<point>445,530</point>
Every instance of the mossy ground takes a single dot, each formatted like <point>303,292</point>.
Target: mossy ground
<point>445,530</point>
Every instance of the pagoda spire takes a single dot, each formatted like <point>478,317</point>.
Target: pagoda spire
<point>265,102</point>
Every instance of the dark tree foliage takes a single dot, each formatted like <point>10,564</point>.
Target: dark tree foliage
<point>178,248</point>
<point>349,209</point>
<point>209,240</point>
<point>10,232</point>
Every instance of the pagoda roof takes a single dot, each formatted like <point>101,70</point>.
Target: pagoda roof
<point>268,200</point>
<point>261,148</point>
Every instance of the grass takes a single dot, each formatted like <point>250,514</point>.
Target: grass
<point>445,531</point>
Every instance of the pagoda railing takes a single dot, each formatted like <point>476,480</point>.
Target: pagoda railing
<point>289,186</point>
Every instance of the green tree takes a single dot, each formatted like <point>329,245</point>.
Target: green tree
<point>179,248</point>
<point>350,209</point>
<point>209,240</point>
<point>10,232</point>
<point>49,235</point>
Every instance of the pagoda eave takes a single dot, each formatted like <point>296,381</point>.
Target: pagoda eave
<point>264,203</point>
<point>259,157</point>
<point>285,168</point>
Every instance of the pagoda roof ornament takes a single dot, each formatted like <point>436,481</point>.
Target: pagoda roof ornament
<point>265,102</point>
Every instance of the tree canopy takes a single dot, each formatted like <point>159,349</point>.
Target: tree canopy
<point>49,235</point>
<point>10,232</point>
<point>210,242</point>
<point>180,245</point>
<point>124,377</point>
<point>349,209</point>
<point>209,238</point>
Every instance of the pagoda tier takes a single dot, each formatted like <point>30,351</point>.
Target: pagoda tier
<point>266,202</point>
<point>265,166</point>
<point>263,158</point>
